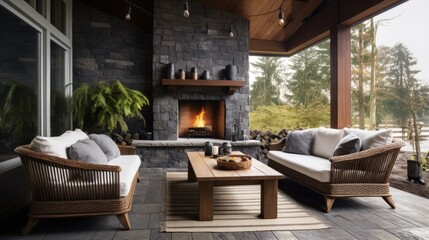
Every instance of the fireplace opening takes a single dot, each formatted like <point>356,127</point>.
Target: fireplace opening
<point>201,119</point>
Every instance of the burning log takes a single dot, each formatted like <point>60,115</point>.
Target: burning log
<point>200,132</point>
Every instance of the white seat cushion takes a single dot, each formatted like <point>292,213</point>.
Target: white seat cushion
<point>312,166</point>
<point>129,164</point>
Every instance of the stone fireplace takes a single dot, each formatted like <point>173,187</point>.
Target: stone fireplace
<point>201,119</point>
<point>200,41</point>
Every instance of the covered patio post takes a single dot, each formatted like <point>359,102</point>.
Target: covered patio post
<point>340,76</point>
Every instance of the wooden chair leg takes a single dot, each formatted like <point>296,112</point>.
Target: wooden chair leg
<point>30,225</point>
<point>390,201</point>
<point>329,201</point>
<point>124,220</point>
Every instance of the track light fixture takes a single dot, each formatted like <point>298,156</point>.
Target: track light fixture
<point>128,15</point>
<point>281,15</point>
<point>231,33</point>
<point>186,9</point>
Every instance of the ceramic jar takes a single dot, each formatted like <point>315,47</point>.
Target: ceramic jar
<point>208,149</point>
<point>231,72</point>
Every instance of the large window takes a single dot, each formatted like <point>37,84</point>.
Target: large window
<point>291,93</point>
<point>19,77</point>
<point>59,109</point>
<point>35,71</point>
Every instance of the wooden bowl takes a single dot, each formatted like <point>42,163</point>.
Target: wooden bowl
<point>234,162</point>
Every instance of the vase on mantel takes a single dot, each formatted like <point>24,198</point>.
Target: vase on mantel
<point>170,71</point>
<point>231,72</point>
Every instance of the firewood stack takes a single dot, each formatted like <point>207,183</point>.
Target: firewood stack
<point>124,138</point>
<point>267,137</point>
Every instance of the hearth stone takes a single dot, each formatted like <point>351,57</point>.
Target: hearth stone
<point>172,153</point>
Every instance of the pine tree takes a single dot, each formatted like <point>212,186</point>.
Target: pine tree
<point>310,81</point>
<point>266,89</point>
<point>404,94</point>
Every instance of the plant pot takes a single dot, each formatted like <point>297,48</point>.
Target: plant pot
<point>148,136</point>
<point>414,170</point>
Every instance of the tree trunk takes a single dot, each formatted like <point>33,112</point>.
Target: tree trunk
<point>361,97</point>
<point>416,137</point>
<point>373,90</point>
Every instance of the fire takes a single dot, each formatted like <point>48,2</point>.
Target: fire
<point>199,119</point>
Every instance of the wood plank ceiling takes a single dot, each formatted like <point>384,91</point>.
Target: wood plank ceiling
<point>306,21</point>
<point>263,15</point>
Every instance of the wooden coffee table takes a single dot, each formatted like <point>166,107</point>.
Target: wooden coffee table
<point>203,169</point>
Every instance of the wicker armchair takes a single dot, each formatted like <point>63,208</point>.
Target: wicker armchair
<point>361,174</point>
<point>58,190</point>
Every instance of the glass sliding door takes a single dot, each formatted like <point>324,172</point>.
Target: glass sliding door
<point>19,81</point>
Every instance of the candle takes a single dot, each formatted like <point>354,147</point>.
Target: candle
<point>215,150</point>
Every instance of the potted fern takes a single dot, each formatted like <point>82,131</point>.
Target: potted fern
<point>103,106</point>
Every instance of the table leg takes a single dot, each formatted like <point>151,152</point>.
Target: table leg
<point>269,199</point>
<point>191,173</point>
<point>205,206</point>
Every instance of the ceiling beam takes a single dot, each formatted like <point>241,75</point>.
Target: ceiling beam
<point>331,13</point>
<point>267,47</point>
<point>313,29</point>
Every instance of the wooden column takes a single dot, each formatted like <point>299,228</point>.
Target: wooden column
<point>341,115</point>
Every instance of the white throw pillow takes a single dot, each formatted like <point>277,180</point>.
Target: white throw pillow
<point>371,139</point>
<point>325,141</point>
<point>71,137</point>
<point>81,134</point>
<point>57,146</point>
<point>49,145</point>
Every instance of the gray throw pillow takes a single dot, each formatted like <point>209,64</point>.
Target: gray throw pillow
<point>107,145</point>
<point>349,144</point>
<point>299,142</point>
<point>87,151</point>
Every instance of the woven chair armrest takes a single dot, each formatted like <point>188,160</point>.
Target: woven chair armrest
<point>127,150</point>
<point>278,146</point>
<point>396,144</point>
<point>57,179</point>
<point>369,166</point>
<point>25,150</point>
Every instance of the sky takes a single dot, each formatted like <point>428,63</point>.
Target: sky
<point>407,24</point>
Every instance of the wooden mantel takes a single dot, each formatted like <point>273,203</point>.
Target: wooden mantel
<point>232,85</point>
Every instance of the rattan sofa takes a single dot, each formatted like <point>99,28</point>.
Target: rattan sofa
<point>70,188</point>
<point>360,174</point>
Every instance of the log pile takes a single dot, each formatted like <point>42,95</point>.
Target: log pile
<point>124,138</point>
<point>267,137</point>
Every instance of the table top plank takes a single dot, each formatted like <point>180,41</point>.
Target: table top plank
<point>205,168</point>
<point>202,171</point>
<point>265,169</point>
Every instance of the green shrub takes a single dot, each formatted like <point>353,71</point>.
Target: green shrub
<point>277,117</point>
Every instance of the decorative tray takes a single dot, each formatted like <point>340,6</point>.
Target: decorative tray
<point>234,162</point>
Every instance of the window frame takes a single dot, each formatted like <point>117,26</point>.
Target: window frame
<point>47,33</point>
